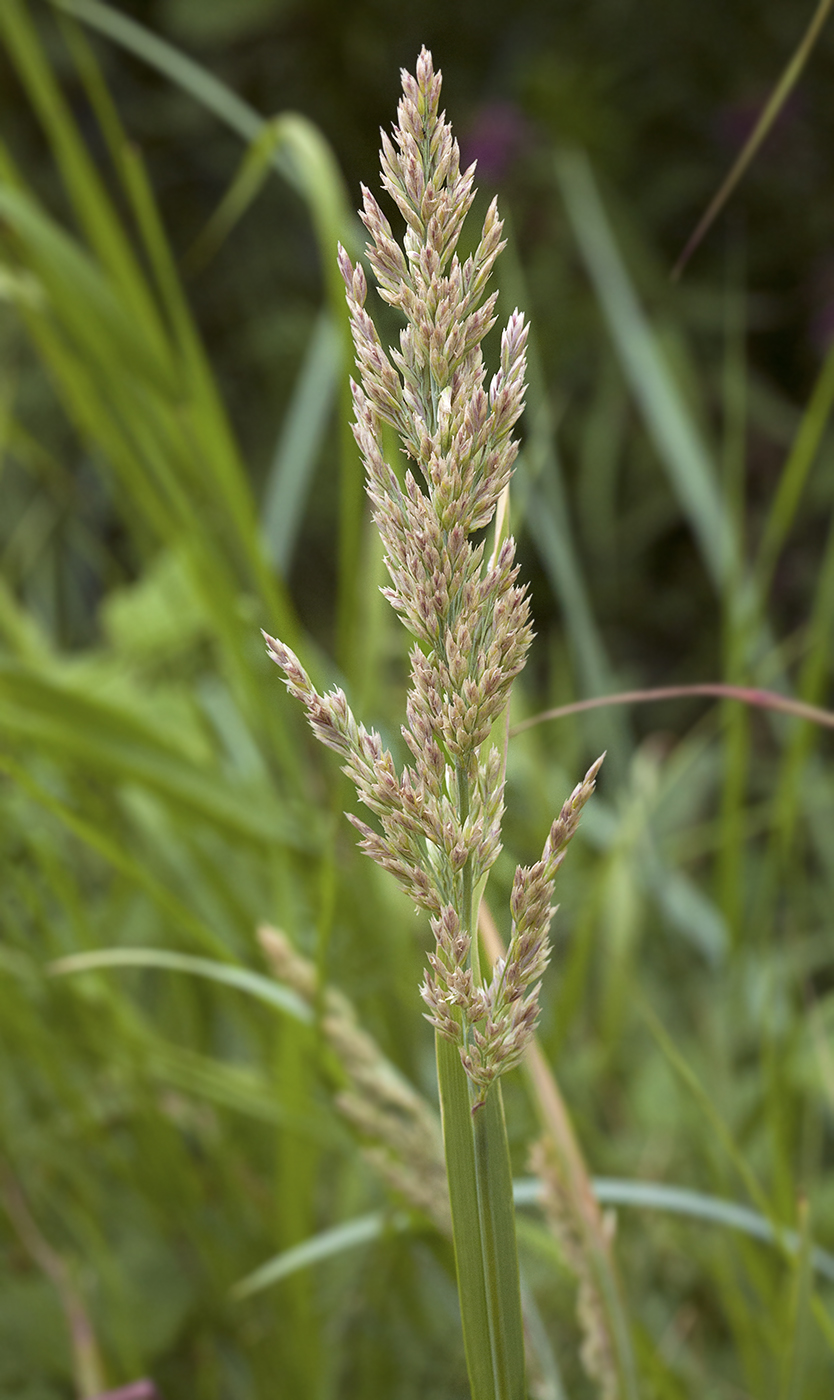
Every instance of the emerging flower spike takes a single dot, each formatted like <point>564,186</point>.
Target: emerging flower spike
<point>438,822</point>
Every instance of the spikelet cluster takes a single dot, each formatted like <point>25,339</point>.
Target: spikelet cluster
<point>399,1131</point>
<point>438,821</point>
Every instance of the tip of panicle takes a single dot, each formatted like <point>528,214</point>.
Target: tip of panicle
<point>273,647</point>
<point>593,771</point>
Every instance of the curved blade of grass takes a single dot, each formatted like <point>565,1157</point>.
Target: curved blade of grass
<point>324,1245</point>
<point>114,741</point>
<point>101,332</point>
<point>163,426</point>
<point>307,163</point>
<point>319,180</point>
<point>189,75</point>
<point>302,434</point>
<point>241,978</point>
<point>721,1132</point>
<point>73,277</point>
<point>97,838</point>
<point>129,396</point>
<point>95,211</point>
<point>690,469</point>
<point>156,431</point>
<point>746,695</point>
<point>699,1205</point>
<point>218,449</point>
<point>317,177</point>
<point>773,107</point>
<point>209,434</point>
<point>609,1191</point>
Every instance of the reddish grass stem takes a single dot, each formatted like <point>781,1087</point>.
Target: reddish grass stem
<point>763,699</point>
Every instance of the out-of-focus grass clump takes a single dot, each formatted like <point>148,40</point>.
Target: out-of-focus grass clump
<point>167,1124</point>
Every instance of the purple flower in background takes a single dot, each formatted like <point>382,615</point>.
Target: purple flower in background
<point>498,134</point>
<point>137,1390</point>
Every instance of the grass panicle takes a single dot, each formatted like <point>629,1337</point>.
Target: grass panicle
<point>439,820</point>
<point>170,1116</point>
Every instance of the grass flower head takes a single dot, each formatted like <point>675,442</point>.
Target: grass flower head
<point>438,821</point>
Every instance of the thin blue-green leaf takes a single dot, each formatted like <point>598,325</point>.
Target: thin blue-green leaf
<point>326,1245</point>
<point>241,978</point>
<point>610,1191</point>
<point>679,1200</point>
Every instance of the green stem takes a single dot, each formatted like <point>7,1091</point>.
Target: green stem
<point>498,1243</point>
<point>483,1224</point>
<point>483,1215</point>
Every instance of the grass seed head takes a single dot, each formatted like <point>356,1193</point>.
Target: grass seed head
<point>438,822</point>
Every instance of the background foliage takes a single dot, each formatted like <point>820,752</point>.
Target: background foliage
<point>177,472</point>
